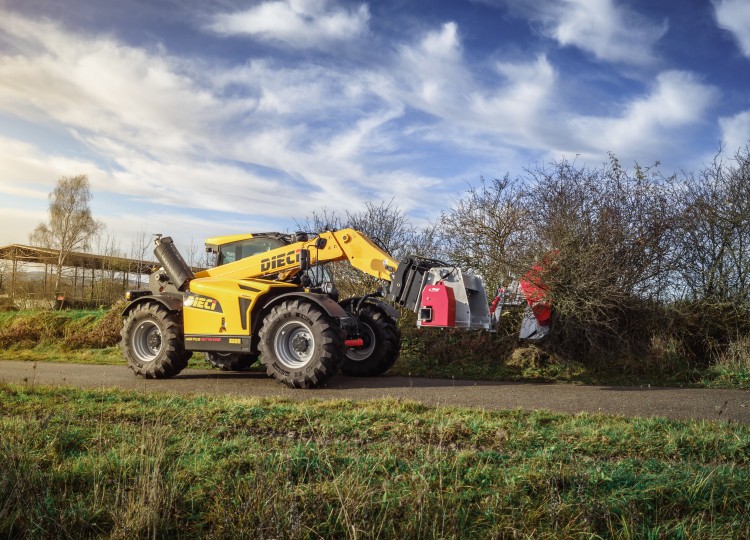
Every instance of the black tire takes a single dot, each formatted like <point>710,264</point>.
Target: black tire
<point>152,342</point>
<point>382,345</point>
<point>300,344</point>
<point>230,361</point>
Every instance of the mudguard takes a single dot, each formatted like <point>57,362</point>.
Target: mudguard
<point>322,300</point>
<point>386,308</point>
<point>172,303</point>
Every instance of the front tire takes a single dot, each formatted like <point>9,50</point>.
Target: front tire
<point>300,344</point>
<point>152,342</point>
<point>382,344</point>
<point>230,361</point>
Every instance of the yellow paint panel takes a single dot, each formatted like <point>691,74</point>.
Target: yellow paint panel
<point>223,295</point>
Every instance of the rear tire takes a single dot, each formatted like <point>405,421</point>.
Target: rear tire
<point>300,344</point>
<point>382,345</point>
<point>152,342</point>
<point>230,361</point>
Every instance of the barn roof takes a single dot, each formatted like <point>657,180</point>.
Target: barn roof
<point>74,259</point>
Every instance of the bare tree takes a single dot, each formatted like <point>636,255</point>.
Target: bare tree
<point>386,224</point>
<point>714,246</point>
<point>108,286</point>
<point>325,220</point>
<point>192,253</point>
<point>139,249</point>
<point>70,226</point>
<point>487,228</point>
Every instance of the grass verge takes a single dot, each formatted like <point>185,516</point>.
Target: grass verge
<point>90,337</point>
<point>87,463</point>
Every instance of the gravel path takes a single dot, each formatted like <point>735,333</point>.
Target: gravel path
<point>682,403</point>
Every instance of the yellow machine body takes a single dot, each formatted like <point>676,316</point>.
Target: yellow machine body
<point>222,304</point>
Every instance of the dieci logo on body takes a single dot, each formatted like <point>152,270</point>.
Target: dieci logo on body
<point>202,302</point>
<point>277,261</point>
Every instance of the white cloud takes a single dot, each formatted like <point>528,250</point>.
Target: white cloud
<point>735,131</point>
<point>27,172</point>
<point>432,76</point>
<point>734,16</point>
<point>100,86</point>
<point>276,141</point>
<point>611,32</point>
<point>157,119</point>
<point>431,73</point>
<point>528,91</point>
<point>296,23</point>
<point>677,100</point>
<point>18,223</point>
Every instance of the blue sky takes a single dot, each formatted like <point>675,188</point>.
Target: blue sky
<point>203,117</point>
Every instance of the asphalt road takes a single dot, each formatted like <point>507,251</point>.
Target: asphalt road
<point>681,403</point>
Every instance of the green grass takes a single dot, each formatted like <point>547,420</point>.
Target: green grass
<point>109,463</point>
<point>53,353</point>
<point>110,356</point>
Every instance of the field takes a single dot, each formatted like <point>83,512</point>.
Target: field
<point>125,465</point>
<point>122,465</point>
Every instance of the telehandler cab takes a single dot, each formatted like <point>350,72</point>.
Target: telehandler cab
<point>267,297</point>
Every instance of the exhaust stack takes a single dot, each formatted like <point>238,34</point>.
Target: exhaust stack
<point>178,271</point>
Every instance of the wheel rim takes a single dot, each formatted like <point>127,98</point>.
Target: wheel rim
<point>147,341</point>
<point>358,354</point>
<point>294,345</point>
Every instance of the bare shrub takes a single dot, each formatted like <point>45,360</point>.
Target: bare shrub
<point>487,229</point>
<point>604,236</point>
<point>736,355</point>
<point>714,247</point>
<point>599,238</point>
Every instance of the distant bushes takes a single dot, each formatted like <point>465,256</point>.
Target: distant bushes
<point>69,329</point>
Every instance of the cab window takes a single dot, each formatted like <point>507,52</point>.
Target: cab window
<point>235,251</point>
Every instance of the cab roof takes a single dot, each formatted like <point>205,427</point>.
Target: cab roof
<point>216,241</point>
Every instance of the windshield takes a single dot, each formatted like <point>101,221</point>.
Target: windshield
<point>229,253</point>
<point>319,275</point>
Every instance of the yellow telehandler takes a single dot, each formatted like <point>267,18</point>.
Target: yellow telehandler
<point>270,296</point>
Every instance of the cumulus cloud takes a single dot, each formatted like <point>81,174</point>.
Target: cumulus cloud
<point>609,31</point>
<point>296,23</point>
<point>167,130</point>
<point>28,172</point>
<point>677,99</point>
<point>734,16</point>
<point>527,92</point>
<point>433,76</point>
<point>431,72</point>
<point>735,131</point>
<point>186,134</point>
